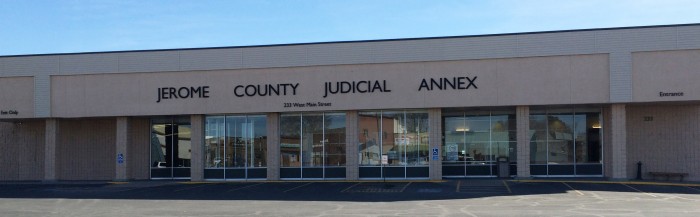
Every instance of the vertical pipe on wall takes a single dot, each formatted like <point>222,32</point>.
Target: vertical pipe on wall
<point>352,142</point>
<point>618,139</point>
<point>435,139</point>
<point>522,116</point>
<point>121,159</point>
<point>273,146</point>
<point>197,147</point>
<point>50,149</point>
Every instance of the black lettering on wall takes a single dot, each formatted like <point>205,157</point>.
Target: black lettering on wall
<point>454,83</point>
<point>182,93</point>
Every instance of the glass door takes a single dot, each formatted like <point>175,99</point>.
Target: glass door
<point>170,148</point>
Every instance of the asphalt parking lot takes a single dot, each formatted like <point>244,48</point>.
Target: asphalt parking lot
<point>471,197</point>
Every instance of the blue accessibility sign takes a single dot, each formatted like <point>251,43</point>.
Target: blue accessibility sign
<point>120,158</point>
<point>436,154</point>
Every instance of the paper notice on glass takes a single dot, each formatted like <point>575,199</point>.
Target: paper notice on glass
<point>452,152</point>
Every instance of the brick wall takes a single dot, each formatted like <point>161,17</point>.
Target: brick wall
<point>669,142</point>
<point>21,150</point>
<point>86,149</point>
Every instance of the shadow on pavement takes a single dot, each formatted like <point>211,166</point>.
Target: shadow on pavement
<point>323,191</point>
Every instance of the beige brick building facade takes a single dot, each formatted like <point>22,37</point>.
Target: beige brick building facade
<point>579,103</point>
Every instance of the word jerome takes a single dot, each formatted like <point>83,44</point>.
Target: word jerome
<point>265,90</point>
<point>448,83</point>
<point>182,92</point>
<point>355,87</point>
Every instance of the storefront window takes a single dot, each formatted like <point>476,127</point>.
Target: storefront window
<point>565,142</point>
<point>214,142</point>
<point>290,140</point>
<point>235,147</point>
<point>334,139</point>
<point>399,136</point>
<point>312,145</point>
<point>475,140</point>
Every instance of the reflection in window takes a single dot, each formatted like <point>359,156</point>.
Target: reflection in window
<point>478,137</point>
<point>312,139</point>
<point>565,137</point>
<point>235,141</point>
<point>400,135</point>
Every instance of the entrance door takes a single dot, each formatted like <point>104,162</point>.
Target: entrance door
<point>170,148</point>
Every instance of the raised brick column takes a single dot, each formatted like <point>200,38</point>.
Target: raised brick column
<point>435,120</point>
<point>352,142</point>
<point>522,116</point>
<point>121,159</point>
<point>51,137</point>
<point>618,124</point>
<point>273,146</point>
<point>197,148</point>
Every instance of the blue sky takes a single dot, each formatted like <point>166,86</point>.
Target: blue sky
<point>38,27</point>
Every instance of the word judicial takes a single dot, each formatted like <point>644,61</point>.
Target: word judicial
<point>355,87</point>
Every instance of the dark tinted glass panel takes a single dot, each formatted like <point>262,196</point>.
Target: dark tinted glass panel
<point>335,172</point>
<point>395,172</point>
<point>417,172</point>
<point>213,173</point>
<point>453,170</point>
<point>370,172</point>
<point>312,173</point>
<point>235,173</point>
<point>257,173</point>
<point>589,169</point>
<point>478,170</point>
<point>561,169</point>
<point>538,170</point>
<point>290,173</point>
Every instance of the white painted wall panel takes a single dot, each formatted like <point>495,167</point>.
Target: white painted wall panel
<point>688,37</point>
<point>349,53</point>
<point>556,44</point>
<point>406,51</point>
<point>31,65</point>
<point>650,39</point>
<point>284,56</point>
<point>88,63</point>
<point>211,59</point>
<point>479,47</point>
<point>42,96</point>
<point>620,77</point>
<point>609,41</point>
<point>149,61</point>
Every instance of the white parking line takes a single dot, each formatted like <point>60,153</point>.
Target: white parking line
<point>404,187</point>
<point>236,189</point>
<point>577,191</point>
<point>650,194</point>
<point>291,189</point>
<point>348,188</point>
<point>507,187</point>
<point>692,188</point>
<point>193,187</point>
